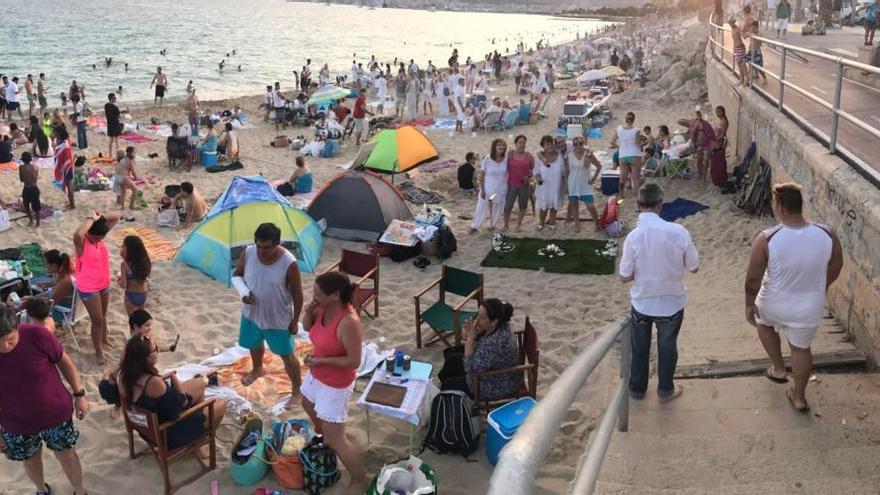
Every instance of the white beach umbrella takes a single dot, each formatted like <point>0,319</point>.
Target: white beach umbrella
<point>592,75</point>
<point>605,41</point>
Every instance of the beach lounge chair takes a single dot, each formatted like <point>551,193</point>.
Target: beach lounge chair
<point>509,121</point>
<point>676,167</point>
<point>539,114</point>
<point>491,122</point>
<point>361,267</point>
<point>527,342</point>
<point>524,111</point>
<point>147,425</point>
<point>441,316</point>
<point>72,315</point>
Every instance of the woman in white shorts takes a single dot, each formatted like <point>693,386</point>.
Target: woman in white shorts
<point>337,334</point>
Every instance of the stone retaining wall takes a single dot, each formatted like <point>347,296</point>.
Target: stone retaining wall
<point>835,195</point>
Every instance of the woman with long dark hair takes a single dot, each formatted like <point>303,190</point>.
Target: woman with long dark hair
<point>337,334</point>
<point>489,344</point>
<point>133,272</point>
<point>492,186</point>
<point>140,384</point>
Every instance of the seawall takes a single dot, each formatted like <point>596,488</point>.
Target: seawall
<point>834,193</point>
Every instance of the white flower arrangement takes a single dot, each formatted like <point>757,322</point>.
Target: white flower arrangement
<point>610,249</point>
<point>551,251</point>
<point>500,244</point>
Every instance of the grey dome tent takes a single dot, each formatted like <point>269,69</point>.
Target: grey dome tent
<point>358,206</point>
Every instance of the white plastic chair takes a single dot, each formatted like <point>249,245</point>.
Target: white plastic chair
<point>72,315</point>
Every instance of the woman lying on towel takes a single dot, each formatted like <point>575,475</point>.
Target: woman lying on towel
<point>489,345</point>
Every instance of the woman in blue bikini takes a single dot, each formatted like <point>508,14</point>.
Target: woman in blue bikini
<point>133,273</point>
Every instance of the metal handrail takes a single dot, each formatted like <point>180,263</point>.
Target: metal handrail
<point>834,107</point>
<point>519,460</point>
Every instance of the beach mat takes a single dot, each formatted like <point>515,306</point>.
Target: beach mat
<point>46,211</point>
<point>680,208</point>
<point>134,137</point>
<point>159,248</point>
<point>437,165</point>
<point>272,386</point>
<point>9,167</point>
<point>418,196</point>
<point>582,256</point>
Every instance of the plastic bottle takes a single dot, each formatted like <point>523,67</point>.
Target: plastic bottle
<point>58,216</point>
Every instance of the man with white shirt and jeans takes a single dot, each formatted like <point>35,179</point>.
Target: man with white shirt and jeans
<point>655,256</point>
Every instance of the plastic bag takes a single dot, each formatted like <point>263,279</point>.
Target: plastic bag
<point>410,476</point>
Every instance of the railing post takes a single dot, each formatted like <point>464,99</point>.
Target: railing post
<point>835,115</point>
<point>625,369</point>
<point>782,77</point>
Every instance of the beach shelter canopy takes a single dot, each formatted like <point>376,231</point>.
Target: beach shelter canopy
<point>592,75</point>
<point>215,245</point>
<point>358,206</point>
<point>399,150</point>
<point>328,93</point>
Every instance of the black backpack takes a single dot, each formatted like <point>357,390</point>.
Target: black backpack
<point>446,243</point>
<point>454,427</point>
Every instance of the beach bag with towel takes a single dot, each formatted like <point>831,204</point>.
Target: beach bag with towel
<point>247,461</point>
<point>319,466</point>
<point>609,221</point>
<point>405,477</point>
<point>289,438</point>
<point>454,428</point>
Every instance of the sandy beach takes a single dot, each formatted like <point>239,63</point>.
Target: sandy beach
<point>567,310</point>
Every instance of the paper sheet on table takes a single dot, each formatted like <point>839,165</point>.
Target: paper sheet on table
<point>410,409</point>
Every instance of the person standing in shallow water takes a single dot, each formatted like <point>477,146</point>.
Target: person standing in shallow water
<point>160,80</point>
<point>267,279</point>
<point>791,267</point>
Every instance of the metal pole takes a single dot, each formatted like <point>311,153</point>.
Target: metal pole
<point>625,370</point>
<point>588,473</point>
<point>835,115</point>
<point>782,78</point>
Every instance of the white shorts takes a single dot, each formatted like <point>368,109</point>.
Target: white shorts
<point>331,404</point>
<point>798,337</point>
<point>782,24</point>
<point>358,125</point>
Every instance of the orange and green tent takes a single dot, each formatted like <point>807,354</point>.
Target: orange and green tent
<point>399,150</point>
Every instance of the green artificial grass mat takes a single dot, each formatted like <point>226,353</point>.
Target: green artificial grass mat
<point>581,256</point>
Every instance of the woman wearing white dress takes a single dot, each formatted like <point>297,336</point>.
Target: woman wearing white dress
<point>324,75</point>
<point>581,171</point>
<point>355,80</point>
<point>440,88</point>
<point>548,174</point>
<point>492,179</point>
<point>428,96</point>
<point>411,109</point>
<point>629,139</point>
<point>381,92</point>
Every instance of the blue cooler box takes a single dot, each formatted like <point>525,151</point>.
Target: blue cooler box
<point>610,182</point>
<point>503,423</point>
<point>209,158</point>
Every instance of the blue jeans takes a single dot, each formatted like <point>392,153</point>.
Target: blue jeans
<point>667,352</point>
<point>81,142</point>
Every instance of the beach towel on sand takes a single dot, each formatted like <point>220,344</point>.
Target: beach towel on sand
<point>417,195</point>
<point>157,246</point>
<point>680,208</point>
<point>134,137</point>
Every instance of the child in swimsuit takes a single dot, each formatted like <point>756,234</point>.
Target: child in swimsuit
<point>133,273</point>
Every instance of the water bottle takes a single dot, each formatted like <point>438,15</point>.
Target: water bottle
<point>58,216</point>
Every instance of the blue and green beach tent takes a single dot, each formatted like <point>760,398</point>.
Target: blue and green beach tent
<point>215,245</point>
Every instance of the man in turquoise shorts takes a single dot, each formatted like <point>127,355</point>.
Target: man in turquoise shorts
<point>267,279</point>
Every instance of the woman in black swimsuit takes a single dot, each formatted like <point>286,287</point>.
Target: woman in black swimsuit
<point>141,385</point>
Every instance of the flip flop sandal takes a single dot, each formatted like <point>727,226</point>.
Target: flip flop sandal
<point>775,379</point>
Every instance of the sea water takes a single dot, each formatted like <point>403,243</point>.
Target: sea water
<point>272,38</point>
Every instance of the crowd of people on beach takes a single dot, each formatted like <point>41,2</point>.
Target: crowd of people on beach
<point>794,260</point>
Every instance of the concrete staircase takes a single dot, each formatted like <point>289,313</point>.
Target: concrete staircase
<point>741,436</point>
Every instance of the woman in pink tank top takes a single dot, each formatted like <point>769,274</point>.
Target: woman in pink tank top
<point>93,274</point>
<point>337,334</point>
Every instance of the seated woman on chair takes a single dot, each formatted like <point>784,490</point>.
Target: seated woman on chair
<point>60,290</point>
<point>209,144</point>
<point>140,384</point>
<point>489,344</point>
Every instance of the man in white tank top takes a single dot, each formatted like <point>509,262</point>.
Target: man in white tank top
<point>791,267</point>
<point>267,279</point>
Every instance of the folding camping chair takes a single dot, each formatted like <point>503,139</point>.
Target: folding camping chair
<point>491,121</point>
<point>441,316</point>
<point>527,343</point>
<point>363,267</point>
<point>509,121</point>
<point>72,315</point>
<point>676,167</point>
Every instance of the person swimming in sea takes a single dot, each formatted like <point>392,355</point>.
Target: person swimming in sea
<point>221,64</point>
<point>126,67</point>
<point>239,67</point>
